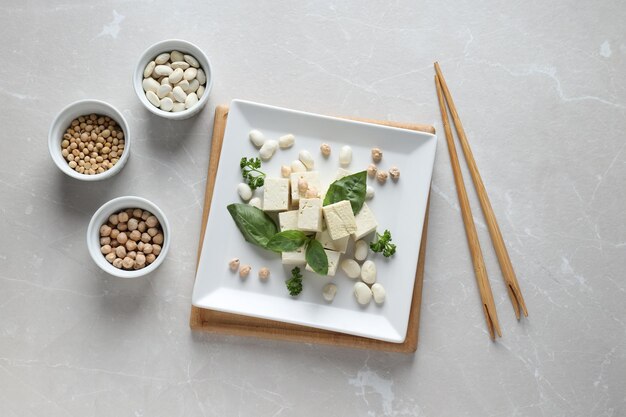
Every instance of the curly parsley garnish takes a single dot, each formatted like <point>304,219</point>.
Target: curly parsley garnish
<point>383,244</point>
<point>251,172</point>
<point>294,284</point>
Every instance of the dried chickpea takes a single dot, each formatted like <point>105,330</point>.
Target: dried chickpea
<point>123,217</point>
<point>145,215</point>
<point>150,258</point>
<point>140,259</point>
<point>114,233</point>
<point>381,176</point>
<point>111,257</point>
<point>145,238</point>
<point>142,226</point>
<point>128,262</point>
<point>137,213</point>
<point>106,249</point>
<point>151,221</point>
<point>147,248</point>
<point>135,235</point>
<point>371,170</point>
<point>105,230</point>
<point>117,262</point>
<point>244,271</point>
<point>325,149</point>
<point>377,154</point>
<point>105,240</point>
<point>264,274</point>
<point>120,251</point>
<point>158,239</point>
<point>133,224</point>
<point>132,254</point>
<point>131,245</point>
<point>122,238</point>
<point>122,227</point>
<point>394,173</point>
<point>114,244</point>
<point>152,231</point>
<point>156,249</point>
<point>234,264</point>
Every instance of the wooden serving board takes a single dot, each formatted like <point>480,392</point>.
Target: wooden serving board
<point>235,324</point>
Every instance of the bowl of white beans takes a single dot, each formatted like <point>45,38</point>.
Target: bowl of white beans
<point>89,140</point>
<point>173,79</point>
<point>110,238</point>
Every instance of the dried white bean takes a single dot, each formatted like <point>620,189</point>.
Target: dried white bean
<point>286,141</point>
<point>166,104</point>
<point>244,191</point>
<point>176,76</point>
<point>256,202</point>
<point>368,272</point>
<point>191,100</point>
<point>190,74</point>
<point>257,138</point>
<point>153,98</point>
<point>162,58</point>
<point>201,76</point>
<point>150,84</point>
<point>178,107</point>
<point>379,293</point>
<point>362,293</point>
<point>200,91</point>
<point>179,94</point>
<point>345,155</point>
<point>191,60</point>
<point>285,171</point>
<point>165,80</point>
<point>165,70</point>
<point>164,90</point>
<point>307,159</point>
<point>369,192</point>
<point>184,84</point>
<point>176,56</point>
<point>193,86</point>
<point>329,291</point>
<point>268,149</point>
<point>180,64</point>
<point>351,268</point>
<point>149,69</point>
<point>361,249</point>
<point>298,166</point>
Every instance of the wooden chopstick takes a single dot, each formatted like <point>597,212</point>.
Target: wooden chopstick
<point>515,293</point>
<point>489,307</point>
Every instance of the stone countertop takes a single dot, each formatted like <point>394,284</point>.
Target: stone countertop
<point>540,87</point>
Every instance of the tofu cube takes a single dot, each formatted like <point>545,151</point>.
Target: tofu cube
<point>327,242</point>
<point>333,262</point>
<point>310,215</point>
<point>311,177</point>
<point>288,220</point>
<point>294,258</point>
<point>365,222</point>
<point>342,173</point>
<point>276,194</point>
<point>340,220</point>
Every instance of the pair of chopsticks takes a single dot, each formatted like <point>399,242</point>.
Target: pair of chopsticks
<point>515,294</point>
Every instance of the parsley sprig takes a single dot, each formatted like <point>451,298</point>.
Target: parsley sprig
<point>251,172</point>
<point>294,284</point>
<point>383,244</point>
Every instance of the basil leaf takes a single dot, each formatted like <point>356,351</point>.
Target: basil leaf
<point>351,188</point>
<point>287,241</point>
<point>254,224</point>
<point>316,257</point>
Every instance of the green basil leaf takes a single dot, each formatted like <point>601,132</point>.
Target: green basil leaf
<point>254,224</point>
<point>287,241</point>
<point>316,257</point>
<point>351,188</point>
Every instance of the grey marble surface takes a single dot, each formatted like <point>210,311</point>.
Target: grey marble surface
<point>540,87</point>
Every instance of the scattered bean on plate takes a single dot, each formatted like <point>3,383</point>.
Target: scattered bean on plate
<point>377,154</point>
<point>92,144</point>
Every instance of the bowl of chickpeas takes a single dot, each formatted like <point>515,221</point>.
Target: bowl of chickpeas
<point>128,237</point>
<point>89,140</point>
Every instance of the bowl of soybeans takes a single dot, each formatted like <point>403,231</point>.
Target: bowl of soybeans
<point>128,237</point>
<point>89,140</point>
<point>173,79</point>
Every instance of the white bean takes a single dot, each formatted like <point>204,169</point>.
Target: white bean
<point>153,98</point>
<point>193,86</point>
<point>162,58</point>
<point>190,74</point>
<point>166,104</point>
<point>200,91</point>
<point>180,64</point>
<point>256,202</point>
<point>191,100</point>
<point>164,90</point>
<point>361,249</point>
<point>201,76</point>
<point>307,159</point>
<point>345,155</point>
<point>298,166</point>
<point>150,84</point>
<point>191,60</point>
<point>368,272</point>
<point>178,107</point>
<point>163,70</point>
<point>179,94</point>
<point>286,141</point>
<point>257,138</point>
<point>176,56</point>
<point>165,80</point>
<point>268,149</point>
<point>176,76</point>
<point>379,293</point>
<point>329,291</point>
<point>351,268</point>
<point>149,69</point>
<point>369,192</point>
<point>184,84</point>
<point>362,293</point>
<point>244,191</point>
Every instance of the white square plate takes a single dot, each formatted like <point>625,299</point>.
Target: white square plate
<point>398,206</point>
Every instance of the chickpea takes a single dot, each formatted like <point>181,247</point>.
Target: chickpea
<point>120,251</point>
<point>122,238</point>
<point>106,249</point>
<point>142,226</point>
<point>128,263</point>
<point>325,149</point>
<point>244,271</point>
<point>145,215</point>
<point>145,238</point>
<point>264,274</point>
<point>122,227</point>
<point>137,213</point>
<point>377,154</point>
<point>105,240</point>
<point>381,177</point>
<point>105,230</point>
<point>132,254</point>
<point>140,246</point>
<point>150,258</point>
<point>140,260</point>
<point>133,224</point>
<point>135,235</point>
<point>151,221</point>
<point>114,233</point>
<point>303,185</point>
<point>131,245</point>
<point>158,239</point>
<point>123,217</point>
<point>156,249</point>
<point>234,264</point>
<point>394,173</point>
<point>371,170</point>
<point>111,257</point>
<point>117,262</point>
<point>147,248</point>
<point>153,231</point>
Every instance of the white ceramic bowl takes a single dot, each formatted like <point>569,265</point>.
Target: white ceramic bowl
<point>168,46</point>
<point>63,120</point>
<point>100,218</point>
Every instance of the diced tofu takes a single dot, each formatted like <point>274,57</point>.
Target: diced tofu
<point>327,242</point>
<point>294,258</point>
<point>342,173</point>
<point>311,177</point>
<point>276,194</point>
<point>310,215</point>
<point>340,219</point>
<point>365,222</point>
<point>288,220</point>
<point>333,261</point>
